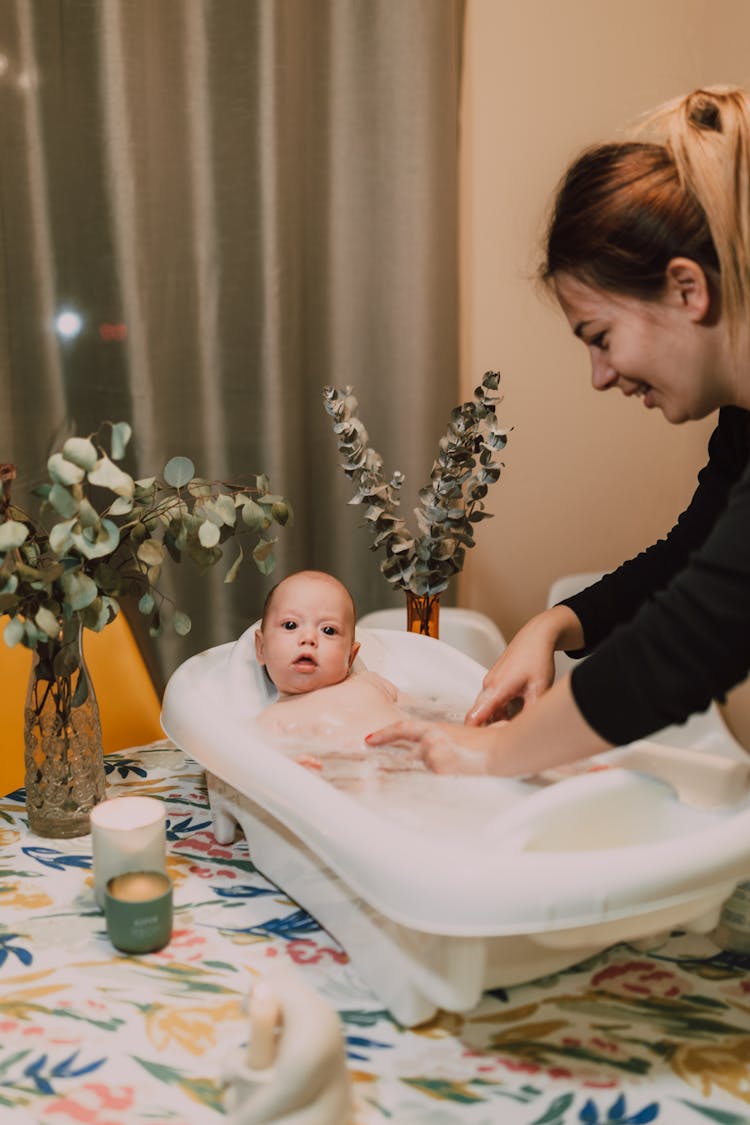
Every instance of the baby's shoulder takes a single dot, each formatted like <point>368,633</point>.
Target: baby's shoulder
<point>379,683</point>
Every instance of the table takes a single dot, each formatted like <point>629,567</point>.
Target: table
<point>91,1036</point>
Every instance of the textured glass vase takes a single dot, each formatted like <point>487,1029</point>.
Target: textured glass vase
<point>63,739</point>
<point>423,614</point>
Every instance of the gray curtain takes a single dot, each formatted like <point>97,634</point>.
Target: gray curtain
<point>244,200</point>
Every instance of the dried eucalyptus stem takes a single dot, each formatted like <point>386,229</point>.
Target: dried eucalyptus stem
<point>450,505</point>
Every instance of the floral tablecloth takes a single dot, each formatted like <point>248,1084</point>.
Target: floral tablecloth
<point>91,1036</point>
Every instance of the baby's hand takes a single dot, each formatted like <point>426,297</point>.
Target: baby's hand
<point>310,762</point>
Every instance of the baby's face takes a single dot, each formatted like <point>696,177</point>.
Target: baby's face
<point>307,639</point>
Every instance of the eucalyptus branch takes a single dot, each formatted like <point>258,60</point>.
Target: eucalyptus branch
<point>450,505</point>
<point>75,561</point>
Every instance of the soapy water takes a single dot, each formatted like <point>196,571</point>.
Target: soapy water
<point>394,782</point>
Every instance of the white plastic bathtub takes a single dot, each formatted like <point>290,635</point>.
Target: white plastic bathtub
<point>441,887</point>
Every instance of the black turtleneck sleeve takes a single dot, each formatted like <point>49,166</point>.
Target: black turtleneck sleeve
<point>669,630</point>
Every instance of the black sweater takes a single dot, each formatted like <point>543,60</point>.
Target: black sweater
<point>669,630</point>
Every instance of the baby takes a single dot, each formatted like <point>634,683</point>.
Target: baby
<point>306,642</point>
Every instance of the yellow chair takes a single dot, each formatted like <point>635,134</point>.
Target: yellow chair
<point>129,706</point>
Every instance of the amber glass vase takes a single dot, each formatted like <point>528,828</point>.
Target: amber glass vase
<point>423,614</point>
<point>63,739</point>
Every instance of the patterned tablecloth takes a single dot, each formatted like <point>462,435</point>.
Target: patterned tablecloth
<point>91,1036</point>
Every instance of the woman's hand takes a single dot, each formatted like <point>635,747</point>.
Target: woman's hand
<point>443,747</point>
<point>552,733</point>
<point>526,669</point>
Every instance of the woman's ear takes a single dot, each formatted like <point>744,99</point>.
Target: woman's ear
<point>687,287</point>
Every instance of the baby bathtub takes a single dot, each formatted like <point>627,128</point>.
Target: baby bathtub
<point>441,887</point>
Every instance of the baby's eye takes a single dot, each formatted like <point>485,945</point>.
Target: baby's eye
<point>289,625</point>
<point>330,630</point>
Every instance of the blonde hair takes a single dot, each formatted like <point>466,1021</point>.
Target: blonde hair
<point>679,186</point>
<point>707,135</point>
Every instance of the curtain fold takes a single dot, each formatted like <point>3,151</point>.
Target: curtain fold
<point>244,201</point>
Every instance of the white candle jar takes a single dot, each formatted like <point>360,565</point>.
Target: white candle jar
<point>127,834</point>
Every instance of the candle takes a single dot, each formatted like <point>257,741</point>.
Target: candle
<point>138,886</point>
<point>138,908</point>
<point>265,1019</point>
<point>127,834</point>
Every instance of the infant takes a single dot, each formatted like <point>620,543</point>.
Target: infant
<point>306,643</point>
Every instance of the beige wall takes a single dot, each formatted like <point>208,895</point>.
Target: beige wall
<point>591,478</point>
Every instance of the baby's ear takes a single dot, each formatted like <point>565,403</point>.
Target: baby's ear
<point>259,647</point>
<point>353,654</point>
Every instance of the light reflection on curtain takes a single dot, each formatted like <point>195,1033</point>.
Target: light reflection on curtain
<point>245,201</point>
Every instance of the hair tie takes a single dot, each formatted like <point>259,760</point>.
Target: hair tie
<point>705,113</point>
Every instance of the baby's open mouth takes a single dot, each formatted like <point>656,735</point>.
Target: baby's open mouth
<point>305,661</point>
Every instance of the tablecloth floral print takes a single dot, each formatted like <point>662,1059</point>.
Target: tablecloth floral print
<point>94,1037</point>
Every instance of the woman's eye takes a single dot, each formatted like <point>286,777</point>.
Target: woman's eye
<point>599,341</point>
<point>289,625</point>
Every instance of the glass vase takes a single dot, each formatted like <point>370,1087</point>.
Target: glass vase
<point>62,739</point>
<point>423,614</point>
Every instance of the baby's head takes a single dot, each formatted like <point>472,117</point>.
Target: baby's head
<point>306,635</point>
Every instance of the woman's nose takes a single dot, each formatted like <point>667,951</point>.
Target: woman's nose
<point>603,374</point>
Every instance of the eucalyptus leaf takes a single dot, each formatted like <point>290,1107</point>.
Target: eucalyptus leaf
<point>47,622</point>
<point>107,578</point>
<point>121,506</point>
<point>151,552</point>
<point>146,603</point>
<point>208,534</point>
<point>199,487</point>
<point>235,567</point>
<point>253,515</point>
<point>63,501</point>
<point>121,434</point>
<point>79,589</point>
<point>81,693</point>
<point>60,538</point>
<point>63,471</point>
<point>12,534</point>
<point>181,623</point>
<point>99,614</point>
<point>281,512</point>
<point>108,475</point>
<point>66,660</point>
<point>179,471</point>
<point>96,543</point>
<point>32,636</point>
<point>87,514</point>
<point>225,507</point>
<point>81,452</point>
<point>263,555</point>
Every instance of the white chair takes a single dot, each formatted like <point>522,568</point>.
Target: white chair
<point>469,631</point>
<point>704,731</point>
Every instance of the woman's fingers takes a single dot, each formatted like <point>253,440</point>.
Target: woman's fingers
<point>439,745</point>
<point>408,730</point>
<point>485,709</point>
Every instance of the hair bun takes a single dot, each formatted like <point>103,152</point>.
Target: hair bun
<point>704,112</point>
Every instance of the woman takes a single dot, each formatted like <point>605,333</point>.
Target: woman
<point>648,253</point>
